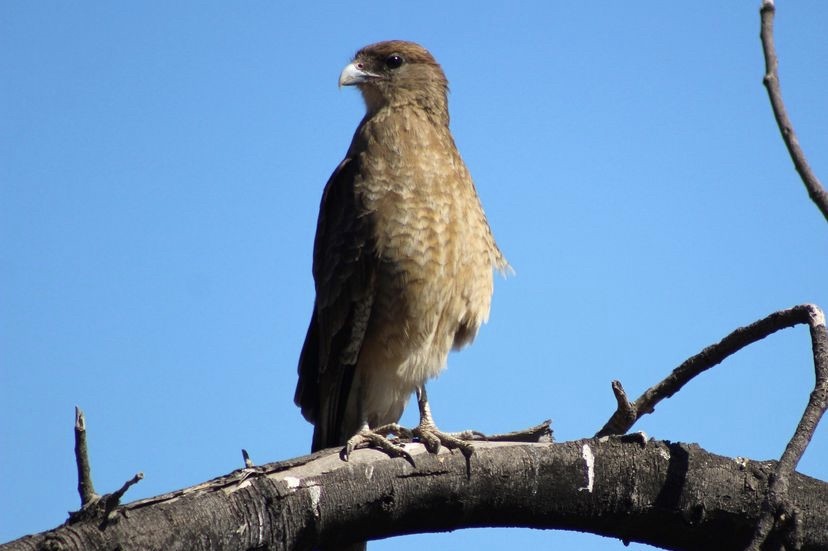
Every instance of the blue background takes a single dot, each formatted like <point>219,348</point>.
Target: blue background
<point>162,165</point>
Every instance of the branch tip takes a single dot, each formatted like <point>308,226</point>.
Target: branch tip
<point>620,395</point>
<point>248,463</point>
<point>80,419</point>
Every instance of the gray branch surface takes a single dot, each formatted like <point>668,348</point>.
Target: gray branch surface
<point>675,496</point>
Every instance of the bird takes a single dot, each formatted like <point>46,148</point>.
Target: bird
<point>403,260</point>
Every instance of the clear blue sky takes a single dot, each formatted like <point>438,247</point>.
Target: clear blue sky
<point>162,165</point>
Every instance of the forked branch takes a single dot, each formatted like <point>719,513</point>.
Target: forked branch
<point>779,515</point>
<point>93,505</point>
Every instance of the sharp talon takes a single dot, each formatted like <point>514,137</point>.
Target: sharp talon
<point>407,456</point>
<point>430,441</point>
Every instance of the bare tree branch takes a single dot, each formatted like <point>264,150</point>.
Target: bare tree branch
<point>85,487</point>
<point>93,506</point>
<point>771,80</point>
<point>779,513</point>
<point>627,413</point>
<point>675,496</point>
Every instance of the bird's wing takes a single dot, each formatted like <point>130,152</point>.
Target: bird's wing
<point>344,276</point>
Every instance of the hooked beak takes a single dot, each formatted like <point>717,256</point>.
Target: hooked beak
<point>353,74</point>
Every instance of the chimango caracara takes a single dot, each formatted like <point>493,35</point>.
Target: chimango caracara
<point>402,261</point>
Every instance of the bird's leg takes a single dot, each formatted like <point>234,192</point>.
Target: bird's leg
<point>377,438</point>
<point>433,438</point>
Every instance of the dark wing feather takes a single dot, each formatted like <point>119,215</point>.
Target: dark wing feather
<point>344,277</point>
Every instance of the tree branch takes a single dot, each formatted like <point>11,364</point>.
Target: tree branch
<point>675,496</point>
<point>779,513</point>
<point>771,81</point>
<point>627,413</point>
<point>85,487</point>
<point>93,506</point>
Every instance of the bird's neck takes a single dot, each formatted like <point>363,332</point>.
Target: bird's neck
<point>407,116</point>
<point>433,106</point>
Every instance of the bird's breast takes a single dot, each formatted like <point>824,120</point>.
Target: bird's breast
<point>434,267</point>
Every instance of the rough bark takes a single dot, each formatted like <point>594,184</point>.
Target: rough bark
<point>675,496</point>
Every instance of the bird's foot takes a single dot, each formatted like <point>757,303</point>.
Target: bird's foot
<point>378,438</point>
<point>433,438</point>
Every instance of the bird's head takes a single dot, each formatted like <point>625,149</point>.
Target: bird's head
<point>397,73</point>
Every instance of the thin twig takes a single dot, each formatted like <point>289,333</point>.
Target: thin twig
<point>85,487</point>
<point>118,494</point>
<point>816,192</point>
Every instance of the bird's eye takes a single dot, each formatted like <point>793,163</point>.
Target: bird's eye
<point>393,61</point>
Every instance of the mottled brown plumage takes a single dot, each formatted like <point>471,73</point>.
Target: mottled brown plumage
<point>403,256</point>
